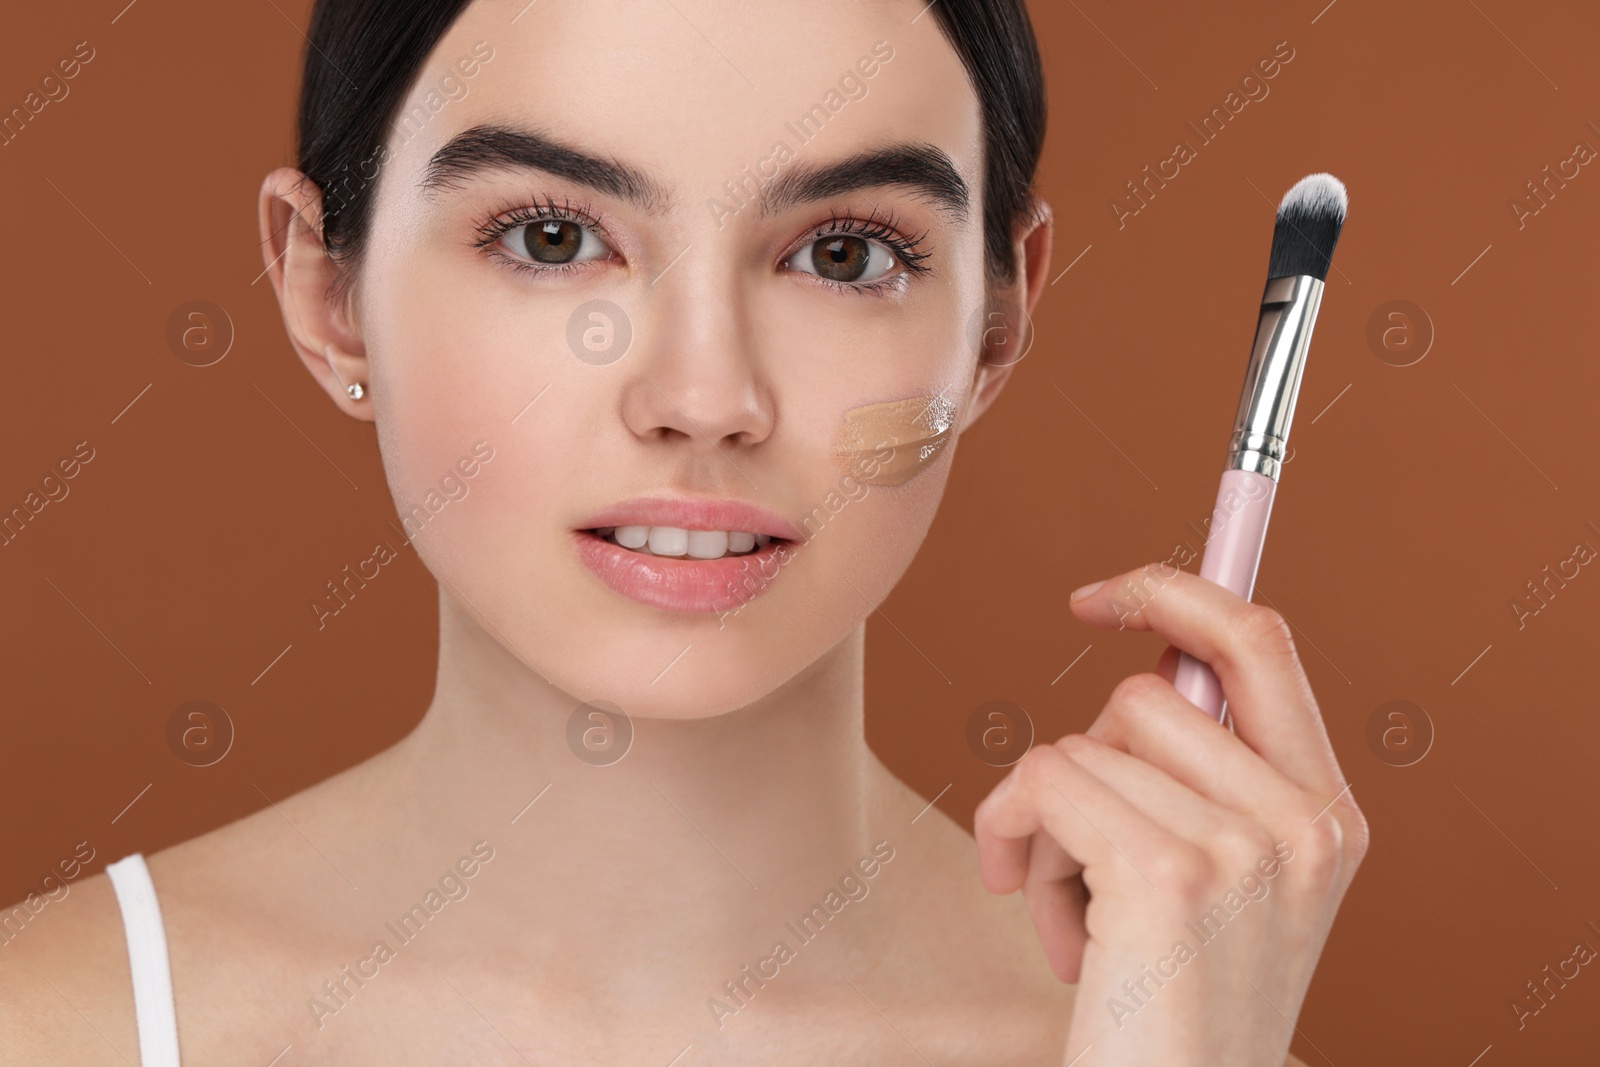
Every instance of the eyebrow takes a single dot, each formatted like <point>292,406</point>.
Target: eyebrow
<point>924,169</point>
<point>486,148</point>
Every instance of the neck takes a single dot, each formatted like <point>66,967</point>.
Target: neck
<point>697,846</point>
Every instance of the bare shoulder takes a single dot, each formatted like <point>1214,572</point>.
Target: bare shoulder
<point>65,991</point>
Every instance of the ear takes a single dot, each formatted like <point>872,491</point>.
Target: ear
<point>321,325</point>
<point>1006,332</point>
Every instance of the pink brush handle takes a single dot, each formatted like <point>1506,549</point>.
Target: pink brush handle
<point>1232,552</point>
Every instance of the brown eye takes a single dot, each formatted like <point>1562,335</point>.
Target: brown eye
<point>841,259</point>
<point>554,240</point>
<point>845,259</point>
<point>554,243</point>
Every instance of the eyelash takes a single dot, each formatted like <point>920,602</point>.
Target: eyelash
<point>909,252</point>
<point>508,216</point>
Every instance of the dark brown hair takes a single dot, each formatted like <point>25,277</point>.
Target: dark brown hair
<point>362,56</point>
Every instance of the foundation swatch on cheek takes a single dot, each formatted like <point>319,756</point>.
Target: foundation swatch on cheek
<point>893,442</point>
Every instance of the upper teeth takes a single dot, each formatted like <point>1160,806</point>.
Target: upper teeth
<point>677,541</point>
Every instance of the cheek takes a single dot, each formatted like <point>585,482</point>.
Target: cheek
<point>894,441</point>
<point>452,359</point>
<point>875,540</point>
<point>451,369</point>
<point>885,464</point>
<point>877,395</point>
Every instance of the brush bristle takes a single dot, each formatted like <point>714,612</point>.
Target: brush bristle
<point>1309,220</point>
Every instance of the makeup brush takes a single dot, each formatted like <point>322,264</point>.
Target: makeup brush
<point>1310,217</point>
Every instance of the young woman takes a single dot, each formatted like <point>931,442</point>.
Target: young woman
<point>685,292</point>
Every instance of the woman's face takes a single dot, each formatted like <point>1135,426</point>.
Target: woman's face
<point>634,314</point>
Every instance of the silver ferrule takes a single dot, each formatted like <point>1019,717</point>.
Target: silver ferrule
<point>1266,406</point>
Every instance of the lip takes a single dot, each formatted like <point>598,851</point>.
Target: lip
<point>690,513</point>
<point>680,583</point>
<point>683,584</point>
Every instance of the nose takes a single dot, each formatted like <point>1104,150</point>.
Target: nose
<point>694,378</point>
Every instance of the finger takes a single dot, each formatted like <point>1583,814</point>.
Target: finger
<point>1170,803</point>
<point>1094,825</point>
<point>1057,910</point>
<point>1251,649</point>
<point>1056,899</point>
<point>1048,861</point>
<point>1167,665</point>
<point>1146,718</point>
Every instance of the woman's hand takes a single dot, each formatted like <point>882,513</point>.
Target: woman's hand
<point>1184,875</point>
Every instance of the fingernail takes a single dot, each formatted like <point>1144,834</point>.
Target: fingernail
<point>1080,593</point>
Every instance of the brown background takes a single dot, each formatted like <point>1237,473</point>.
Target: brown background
<point>1414,511</point>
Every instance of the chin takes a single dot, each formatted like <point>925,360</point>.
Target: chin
<point>689,668</point>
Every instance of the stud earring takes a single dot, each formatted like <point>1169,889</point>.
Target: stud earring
<point>355,391</point>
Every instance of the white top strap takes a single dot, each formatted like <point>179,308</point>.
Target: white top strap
<point>147,959</point>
